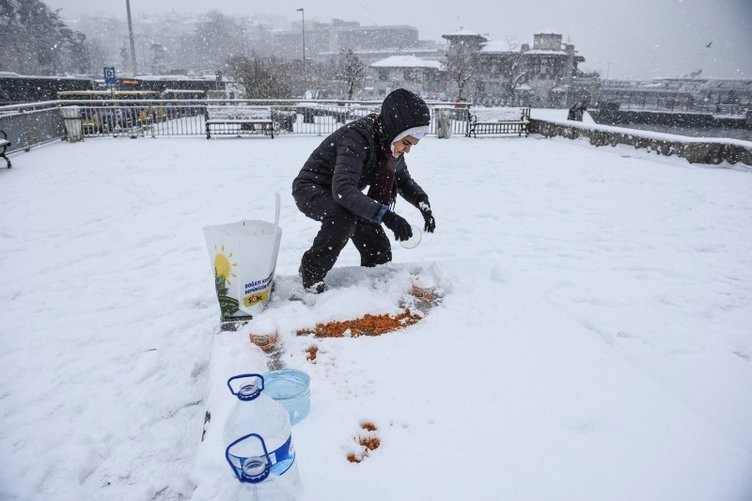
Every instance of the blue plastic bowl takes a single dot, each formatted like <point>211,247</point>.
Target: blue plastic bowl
<point>291,388</point>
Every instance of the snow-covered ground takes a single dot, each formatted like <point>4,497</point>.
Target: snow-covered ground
<point>594,341</point>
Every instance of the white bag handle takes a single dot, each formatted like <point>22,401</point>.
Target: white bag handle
<point>276,208</point>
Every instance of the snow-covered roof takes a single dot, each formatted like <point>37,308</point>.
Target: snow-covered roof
<point>184,91</point>
<point>547,52</point>
<point>162,77</point>
<point>496,46</point>
<point>406,62</point>
<point>380,27</point>
<point>159,78</point>
<point>463,33</point>
<point>386,50</point>
<point>11,74</point>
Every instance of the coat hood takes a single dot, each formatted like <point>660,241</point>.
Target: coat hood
<point>402,110</point>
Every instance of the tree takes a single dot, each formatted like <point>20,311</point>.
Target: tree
<point>157,60</point>
<point>36,40</point>
<point>513,70</point>
<point>79,52</point>
<point>350,70</point>
<point>319,79</point>
<point>217,39</point>
<point>462,67</point>
<point>124,56</point>
<point>263,78</point>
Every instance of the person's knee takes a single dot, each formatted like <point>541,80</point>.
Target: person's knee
<point>331,239</point>
<point>373,257</point>
<point>339,226</point>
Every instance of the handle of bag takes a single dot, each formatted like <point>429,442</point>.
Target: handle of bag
<point>276,208</point>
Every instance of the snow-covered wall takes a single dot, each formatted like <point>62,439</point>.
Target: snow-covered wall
<point>694,150</point>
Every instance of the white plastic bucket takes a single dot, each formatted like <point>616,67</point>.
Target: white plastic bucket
<point>243,256</point>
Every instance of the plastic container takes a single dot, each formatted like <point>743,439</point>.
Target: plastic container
<point>258,442</point>
<point>291,389</point>
<point>414,240</point>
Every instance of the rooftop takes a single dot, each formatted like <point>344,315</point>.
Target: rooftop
<point>463,33</point>
<point>405,61</point>
<point>594,327</point>
<point>497,46</point>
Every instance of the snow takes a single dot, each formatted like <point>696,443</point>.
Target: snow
<point>593,341</point>
<point>496,113</point>
<point>558,116</point>
<point>406,61</point>
<point>498,46</point>
<point>211,78</point>
<point>463,33</point>
<point>547,52</point>
<point>12,74</point>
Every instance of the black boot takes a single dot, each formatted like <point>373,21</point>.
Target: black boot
<point>311,282</point>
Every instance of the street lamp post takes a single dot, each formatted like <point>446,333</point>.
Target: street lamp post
<point>302,15</point>
<point>130,34</point>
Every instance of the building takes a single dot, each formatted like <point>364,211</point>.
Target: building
<point>545,75</point>
<point>325,41</point>
<point>464,42</point>
<point>423,77</point>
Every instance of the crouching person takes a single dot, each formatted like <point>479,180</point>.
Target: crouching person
<point>329,188</point>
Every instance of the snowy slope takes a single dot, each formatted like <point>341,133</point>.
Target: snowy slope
<point>593,342</point>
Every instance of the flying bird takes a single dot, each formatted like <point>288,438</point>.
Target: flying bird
<point>709,44</point>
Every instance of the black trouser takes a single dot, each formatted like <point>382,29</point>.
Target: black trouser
<point>338,225</point>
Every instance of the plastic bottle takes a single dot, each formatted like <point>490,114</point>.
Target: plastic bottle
<point>258,443</point>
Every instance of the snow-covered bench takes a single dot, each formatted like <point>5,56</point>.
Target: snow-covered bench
<point>506,127</point>
<point>237,120</point>
<point>4,143</point>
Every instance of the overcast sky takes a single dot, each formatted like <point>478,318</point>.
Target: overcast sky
<point>624,39</point>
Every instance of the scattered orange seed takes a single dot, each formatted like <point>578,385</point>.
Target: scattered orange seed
<point>312,352</point>
<point>426,294</point>
<point>370,443</point>
<point>367,325</point>
<point>353,458</point>
<point>368,426</point>
<point>266,342</point>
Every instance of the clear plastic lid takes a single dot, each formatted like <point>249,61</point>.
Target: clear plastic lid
<point>413,241</point>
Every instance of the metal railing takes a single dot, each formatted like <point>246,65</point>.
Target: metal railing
<point>35,123</point>
<point>669,101</point>
<point>31,124</point>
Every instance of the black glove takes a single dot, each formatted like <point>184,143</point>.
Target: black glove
<point>425,211</point>
<point>398,225</point>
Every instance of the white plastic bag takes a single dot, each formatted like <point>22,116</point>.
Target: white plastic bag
<point>243,256</point>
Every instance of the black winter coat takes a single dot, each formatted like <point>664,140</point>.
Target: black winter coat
<point>346,162</point>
